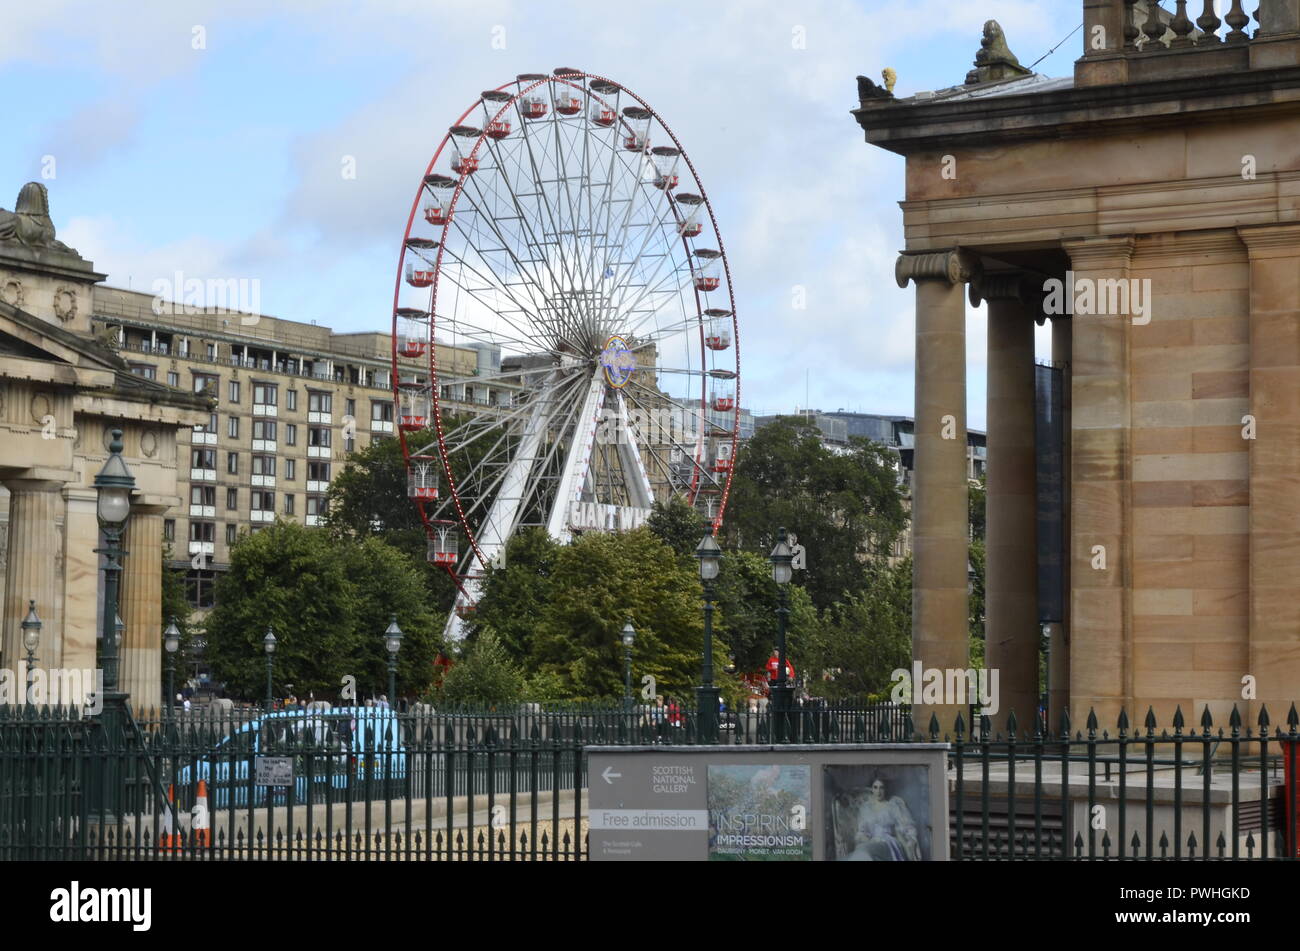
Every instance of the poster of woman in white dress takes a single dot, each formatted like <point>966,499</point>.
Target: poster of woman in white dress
<point>877,813</point>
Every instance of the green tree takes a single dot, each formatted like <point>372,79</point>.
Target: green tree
<point>746,618</point>
<point>516,596</point>
<point>602,581</point>
<point>327,601</point>
<point>678,525</point>
<point>845,507</point>
<point>866,636</point>
<point>485,676</point>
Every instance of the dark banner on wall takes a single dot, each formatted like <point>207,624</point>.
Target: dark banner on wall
<point>1049,440</point>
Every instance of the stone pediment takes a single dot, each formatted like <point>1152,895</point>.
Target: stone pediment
<point>36,349</point>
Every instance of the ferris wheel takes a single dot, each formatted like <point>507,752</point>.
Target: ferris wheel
<point>565,347</point>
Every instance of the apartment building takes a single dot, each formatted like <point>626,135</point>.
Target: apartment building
<point>288,401</point>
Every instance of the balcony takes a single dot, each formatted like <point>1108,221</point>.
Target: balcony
<point>201,437</point>
<point>203,511</point>
<point>319,488</point>
<point>263,445</point>
<point>264,481</point>
<point>323,418</point>
<point>264,409</point>
<point>381,425</point>
<point>204,548</point>
<point>261,515</point>
<point>318,452</point>
<point>203,475</point>
<point>311,521</point>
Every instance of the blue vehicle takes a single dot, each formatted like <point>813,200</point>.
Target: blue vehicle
<point>339,754</point>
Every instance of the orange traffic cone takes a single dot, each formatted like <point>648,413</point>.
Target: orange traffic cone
<point>169,839</point>
<point>200,833</point>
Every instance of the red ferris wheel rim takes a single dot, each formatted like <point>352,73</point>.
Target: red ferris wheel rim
<point>575,80</point>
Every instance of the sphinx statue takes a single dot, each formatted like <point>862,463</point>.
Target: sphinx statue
<point>29,223</point>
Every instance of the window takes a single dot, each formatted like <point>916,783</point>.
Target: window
<point>203,458</point>
<point>209,427</point>
<point>290,433</point>
<point>232,532</point>
<point>318,471</point>
<point>206,381</point>
<point>263,501</point>
<point>203,531</point>
<point>203,495</point>
<point>232,427</point>
<point>169,529</point>
<point>318,436</point>
<point>232,463</point>
<point>288,504</point>
<point>264,429</point>
<point>349,444</point>
<point>173,378</point>
<point>234,391</point>
<point>144,370</point>
<point>381,411</point>
<point>232,499</point>
<point>318,402</point>
<point>199,587</point>
<point>264,394</point>
<point>291,400</point>
<point>264,465</point>
<point>350,408</point>
<point>211,351</point>
<point>289,467</point>
<point>316,504</point>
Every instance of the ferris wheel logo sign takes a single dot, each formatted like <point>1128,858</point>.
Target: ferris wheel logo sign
<point>617,361</point>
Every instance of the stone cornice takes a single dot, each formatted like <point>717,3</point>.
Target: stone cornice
<point>910,126</point>
<point>1090,254</point>
<point>1271,241</point>
<point>954,266</point>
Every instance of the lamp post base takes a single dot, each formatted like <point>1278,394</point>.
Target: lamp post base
<point>707,713</point>
<point>780,704</point>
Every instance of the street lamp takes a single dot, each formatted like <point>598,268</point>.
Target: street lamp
<point>629,638</point>
<point>710,558</point>
<point>171,644</point>
<point>393,641</point>
<point>31,627</point>
<point>113,486</point>
<point>268,644</point>
<point>782,691</point>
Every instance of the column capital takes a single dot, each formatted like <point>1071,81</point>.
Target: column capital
<point>954,266</point>
<point>1271,241</point>
<point>36,481</point>
<point>1100,252</point>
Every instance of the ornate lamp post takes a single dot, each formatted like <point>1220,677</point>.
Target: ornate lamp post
<point>392,641</point>
<point>629,638</point>
<point>113,486</point>
<point>710,557</point>
<point>268,644</point>
<point>782,692</point>
<point>31,627</point>
<point>171,644</point>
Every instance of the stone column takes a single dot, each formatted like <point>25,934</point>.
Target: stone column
<point>1101,630</point>
<point>140,656</point>
<point>1011,632</point>
<point>940,527</point>
<point>1274,658</point>
<point>1058,674</point>
<point>31,570</point>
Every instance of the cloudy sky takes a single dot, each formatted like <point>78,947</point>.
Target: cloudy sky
<point>209,138</point>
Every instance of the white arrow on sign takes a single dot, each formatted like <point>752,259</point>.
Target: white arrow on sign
<point>609,775</point>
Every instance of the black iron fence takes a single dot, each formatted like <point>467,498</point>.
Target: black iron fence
<point>509,784</point>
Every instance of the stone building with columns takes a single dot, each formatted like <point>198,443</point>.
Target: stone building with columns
<point>1148,206</point>
<point>61,391</point>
